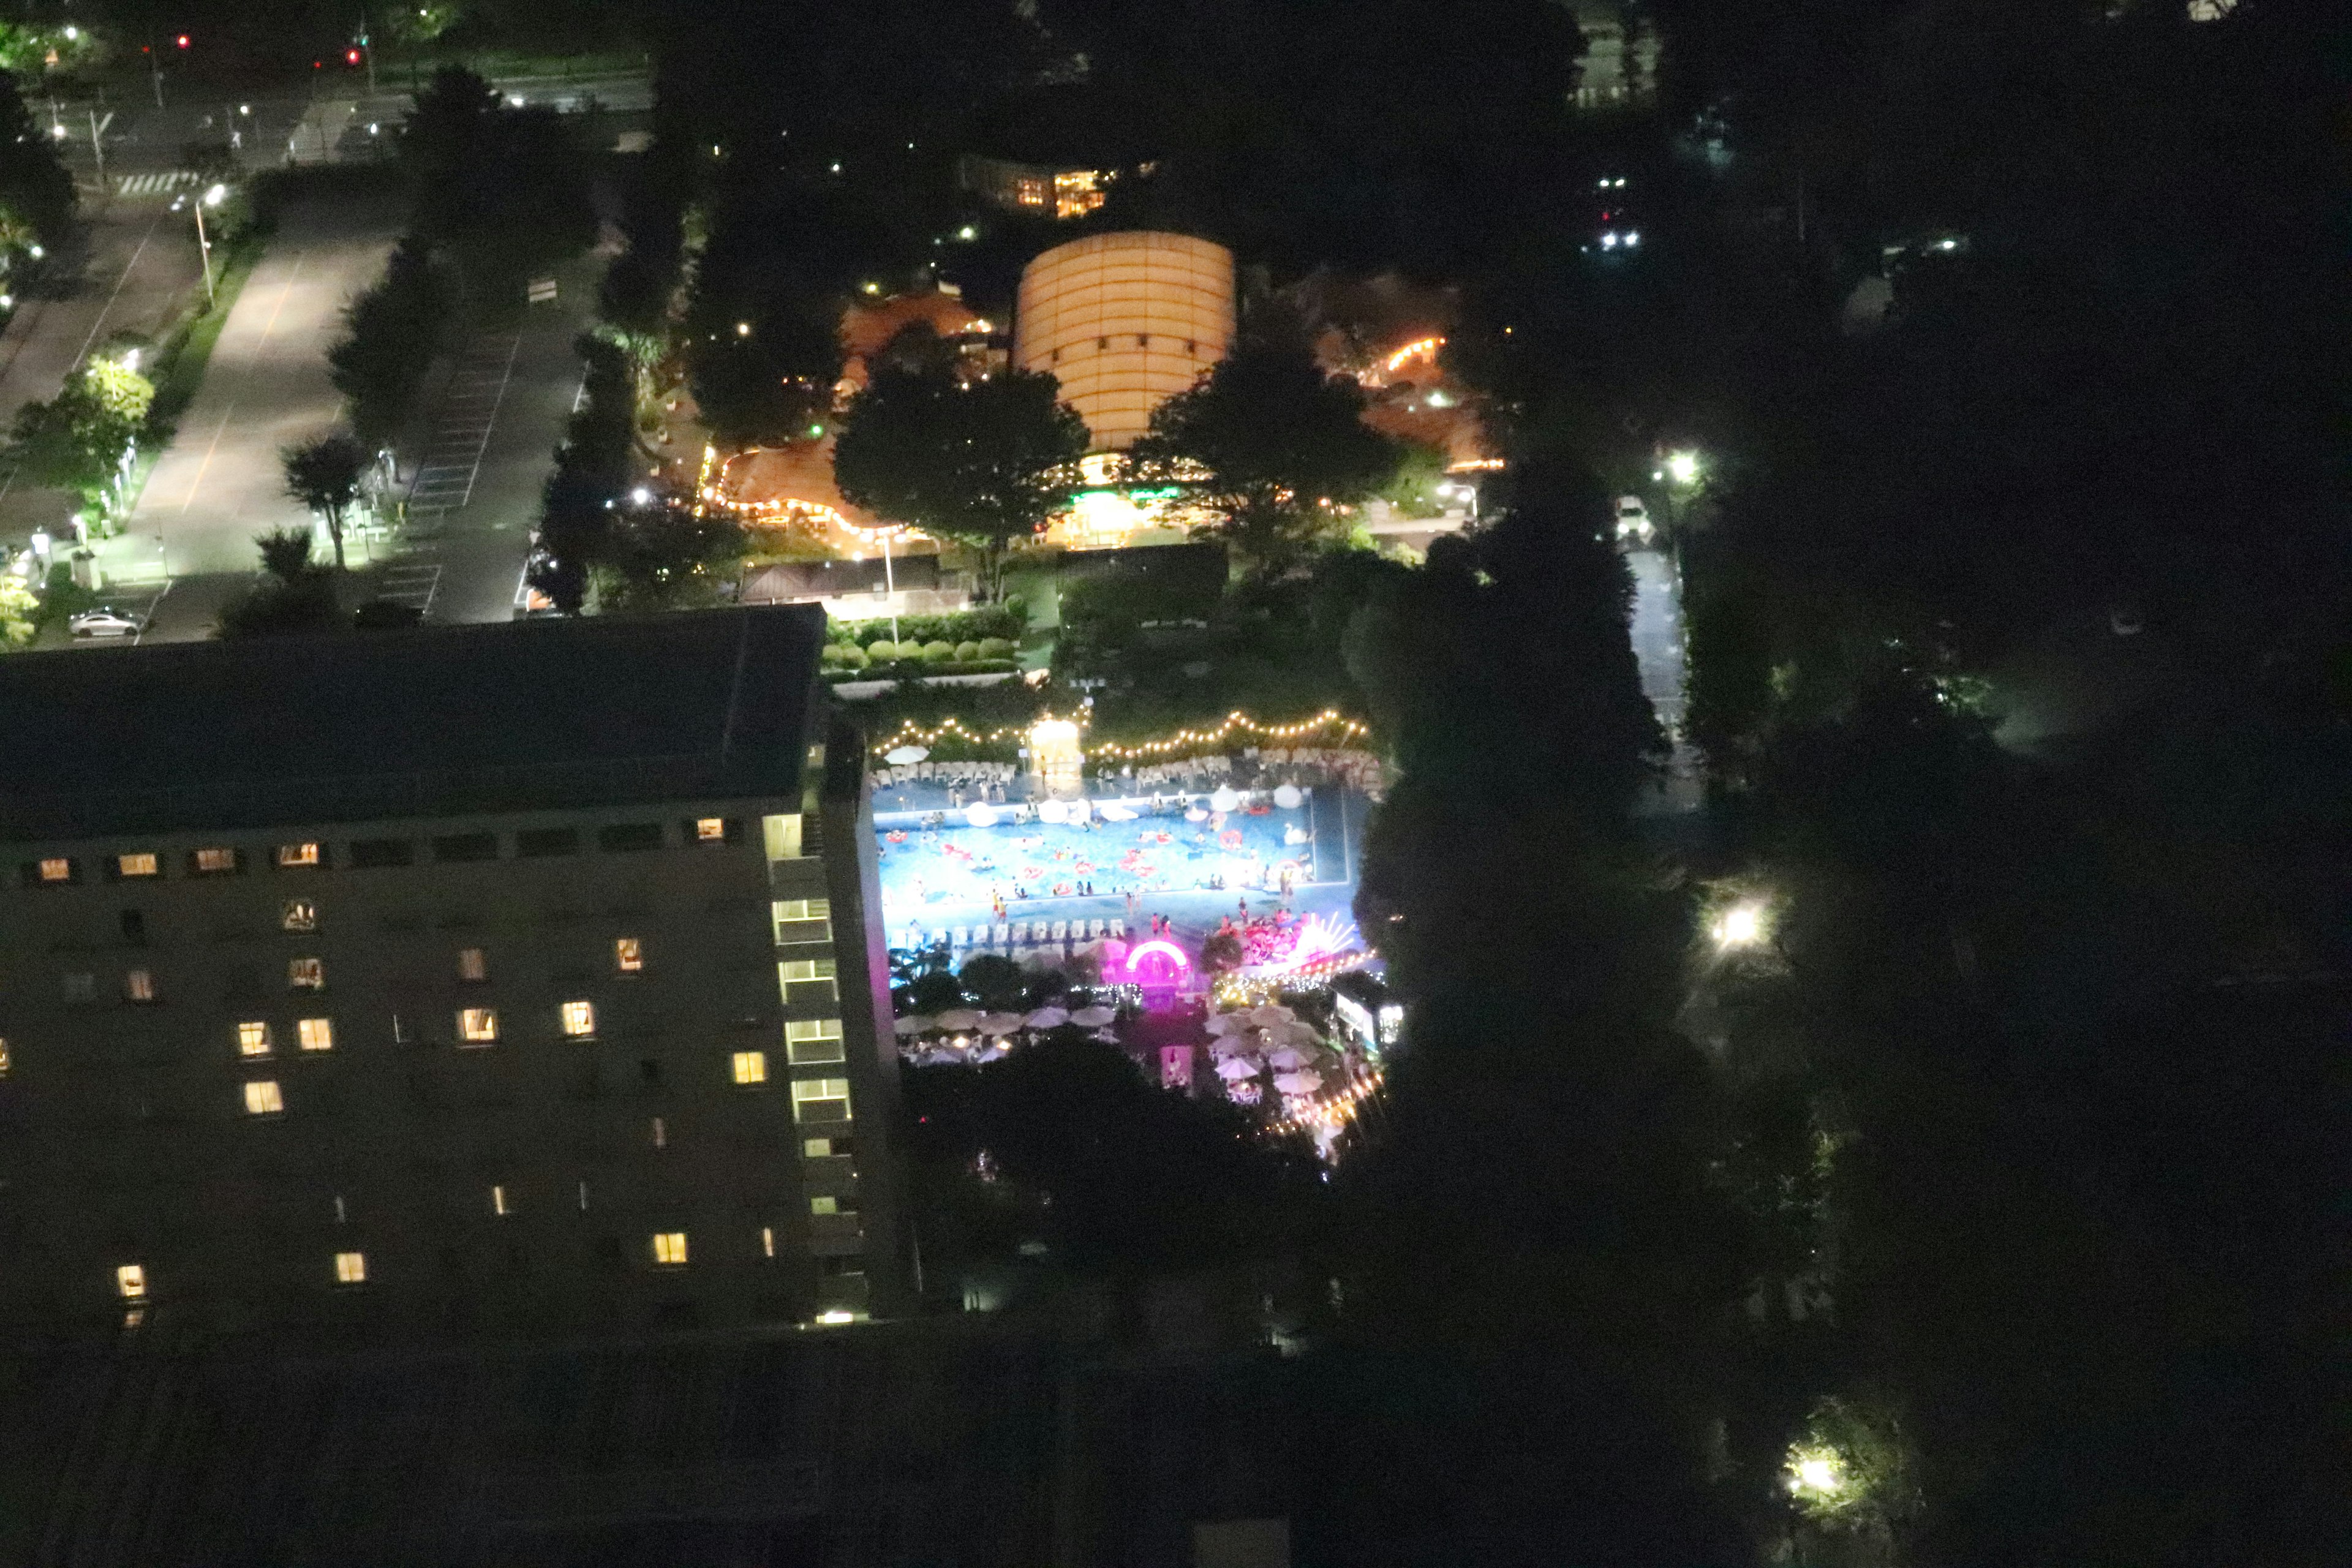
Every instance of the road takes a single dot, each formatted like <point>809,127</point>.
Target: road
<point>221,482</point>
<point>1658,648</point>
<point>130,271</point>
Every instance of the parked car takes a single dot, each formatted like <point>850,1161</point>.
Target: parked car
<point>105,622</point>
<point>1633,519</point>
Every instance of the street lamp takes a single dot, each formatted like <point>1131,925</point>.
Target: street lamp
<point>1683,468</point>
<point>212,199</point>
<point>1742,925</point>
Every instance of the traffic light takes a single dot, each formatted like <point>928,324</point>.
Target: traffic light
<point>182,40</point>
<point>351,57</point>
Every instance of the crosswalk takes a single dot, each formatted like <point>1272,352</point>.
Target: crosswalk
<point>154,185</point>
<point>461,424</point>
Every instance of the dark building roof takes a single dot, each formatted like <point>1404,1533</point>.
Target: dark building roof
<point>522,716</point>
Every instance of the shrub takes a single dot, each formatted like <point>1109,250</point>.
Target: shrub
<point>938,651</point>
<point>967,650</point>
<point>993,648</point>
<point>849,658</point>
<point>831,653</point>
<point>882,650</point>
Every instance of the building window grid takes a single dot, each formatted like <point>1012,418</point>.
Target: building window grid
<point>57,868</point>
<point>628,955</point>
<point>298,915</point>
<point>263,1098</point>
<point>478,1025</point>
<point>750,1068</point>
<point>253,1039</point>
<point>139,863</point>
<point>580,1020</point>
<point>669,1248</point>
<point>213,862</point>
<point>810,1042</point>
<point>306,975</point>
<point>130,1282</point>
<point>138,986</point>
<point>294,856</point>
<point>472,965</point>
<point>351,1268</point>
<point>315,1033</point>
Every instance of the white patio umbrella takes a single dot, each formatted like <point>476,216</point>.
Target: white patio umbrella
<point>958,1020</point>
<point>1093,1017</point>
<point>1270,1013</point>
<point>1287,797</point>
<point>1223,799</point>
<point>981,815</point>
<point>1290,1058</point>
<point>1295,1035</point>
<point>1231,1045</point>
<point>913,1024</point>
<point>1299,1082</point>
<point>1226,1024</point>
<point>899,756</point>
<point>1048,1018</point>
<point>1233,1068</point>
<point>1001,1023</point>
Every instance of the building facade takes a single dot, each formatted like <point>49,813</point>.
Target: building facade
<point>505,980</point>
<point>1125,321</point>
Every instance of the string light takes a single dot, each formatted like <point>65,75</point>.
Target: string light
<point>912,733</point>
<point>1418,346</point>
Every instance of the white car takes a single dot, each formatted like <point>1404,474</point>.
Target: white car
<point>1633,519</point>
<point>104,623</point>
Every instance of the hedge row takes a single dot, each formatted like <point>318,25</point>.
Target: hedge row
<point>849,656</point>
<point>915,668</point>
<point>1007,621</point>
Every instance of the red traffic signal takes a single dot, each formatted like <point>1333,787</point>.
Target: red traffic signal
<point>182,40</point>
<point>351,57</point>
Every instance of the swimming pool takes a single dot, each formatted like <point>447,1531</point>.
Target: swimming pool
<point>936,865</point>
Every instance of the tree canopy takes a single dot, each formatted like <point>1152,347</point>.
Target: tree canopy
<point>1268,445</point>
<point>983,462</point>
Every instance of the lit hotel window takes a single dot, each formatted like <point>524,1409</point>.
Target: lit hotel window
<point>473,964</point>
<point>130,1282</point>
<point>143,864</point>
<point>750,1067</point>
<point>710,830</point>
<point>579,1019</point>
<point>306,974</point>
<point>214,862</point>
<point>291,855</point>
<point>318,1034</point>
<point>56,869</point>
<point>809,971</point>
<point>783,836</point>
<point>821,1099</point>
<point>628,955</point>
<point>262,1099</point>
<point>253,1039</point>
<point>824,1205</point>
<point>816,1148</point>
<point>669,1247</point>
<point>803,920</point>
<point>138,986</point>
<point>478,1025</point>
<point>812,1040</point>
<point>299,914</point>
<point>351,1268</point>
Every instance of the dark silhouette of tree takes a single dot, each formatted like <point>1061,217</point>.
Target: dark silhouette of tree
<point>1268,445</point>
<point>32,183</point>
<point>324,475</point>
<point>983,462</point>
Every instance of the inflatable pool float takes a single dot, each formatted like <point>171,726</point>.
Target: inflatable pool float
<point>896,835</point>
<point>1061,889</point>
<point>1230,838</point>
<point>1196,814</point>
<point>1259,810</point>
<point>1031,873</point>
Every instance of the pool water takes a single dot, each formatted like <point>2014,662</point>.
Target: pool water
<point>935,864</point>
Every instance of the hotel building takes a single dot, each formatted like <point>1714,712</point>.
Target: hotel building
<point>496,981</point>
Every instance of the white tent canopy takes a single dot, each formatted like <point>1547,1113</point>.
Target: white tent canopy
<point>1093,1017</point>
<point>1233,1068</point>
<point>914,1023</point>
<point>1048,1018</point>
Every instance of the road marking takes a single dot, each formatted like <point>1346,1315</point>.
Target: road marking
<point>150,184</point>
<point>452,459</point>
<point>128,267</point>
<point>209,450</point>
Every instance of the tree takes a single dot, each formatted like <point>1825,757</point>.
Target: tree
<point>982,463</point>
<point>82,440</point>
<point>395,328</point>
<point>501,188</point>
<point>665,556</point>
<point>1267,446</point>
<point>592,468</point>
<point>299,597</point>
<point>324,475</point>
<point>33,181</point>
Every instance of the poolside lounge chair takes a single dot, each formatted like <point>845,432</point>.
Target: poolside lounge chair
<point>1094,930</point>
<point>1119,928</point>
<point>1061,930</point>
<point>1003,934</point>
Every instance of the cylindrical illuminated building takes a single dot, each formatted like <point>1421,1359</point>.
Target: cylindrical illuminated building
<point>1125,320</point>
